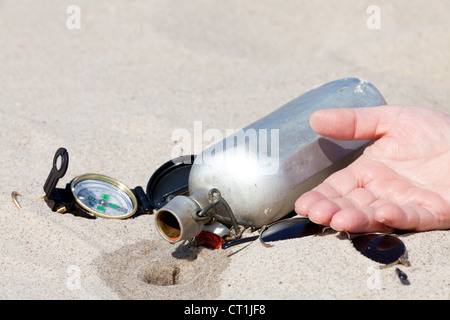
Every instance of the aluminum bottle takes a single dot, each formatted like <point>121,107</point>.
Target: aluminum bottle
<point>261,170</point>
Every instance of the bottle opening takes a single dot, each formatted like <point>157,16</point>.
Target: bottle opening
<point>168,225</point>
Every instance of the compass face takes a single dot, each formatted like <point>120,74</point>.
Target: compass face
<point>104,196</point>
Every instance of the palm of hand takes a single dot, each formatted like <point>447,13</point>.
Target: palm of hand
<point>401,181</point>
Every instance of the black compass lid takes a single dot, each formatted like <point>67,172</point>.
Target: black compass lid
<point>169,180</point>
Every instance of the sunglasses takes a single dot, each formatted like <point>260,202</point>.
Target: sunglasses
<point>386,249</point>
<point>297,227</point>
<point>291,228</point>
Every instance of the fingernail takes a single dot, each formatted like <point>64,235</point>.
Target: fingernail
<point>382,220</point>
<point>335,229</point>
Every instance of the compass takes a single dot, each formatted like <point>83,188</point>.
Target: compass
<point>95,195</point>
<point>104,196</point>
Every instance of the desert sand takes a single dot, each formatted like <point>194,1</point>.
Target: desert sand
<point>113,89</point>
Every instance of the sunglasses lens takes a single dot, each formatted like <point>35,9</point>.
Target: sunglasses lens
<point>289,229</point>
<point>381,248</point>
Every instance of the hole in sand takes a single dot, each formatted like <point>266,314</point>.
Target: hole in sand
<point>162,275</point>
<point>158,270</point>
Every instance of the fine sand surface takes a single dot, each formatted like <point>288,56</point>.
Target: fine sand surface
<point>114,91</point>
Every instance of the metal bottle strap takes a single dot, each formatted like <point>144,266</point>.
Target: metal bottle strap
<point>214,197</point>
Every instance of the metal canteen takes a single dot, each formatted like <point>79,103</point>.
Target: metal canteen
<point>261,170</point>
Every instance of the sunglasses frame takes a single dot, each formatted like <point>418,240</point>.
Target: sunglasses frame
<point>266,227</point>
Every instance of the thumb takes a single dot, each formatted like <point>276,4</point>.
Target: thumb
<point>354,123</point>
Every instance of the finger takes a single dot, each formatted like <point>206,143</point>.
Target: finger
<point>361,197</point>
<point>347,213</point>
<point>306,200</point>
<point>338,184</point>
<point>354,123</point>
<point>323,211</point>
<point>406,217</point>
<point>357,220</point>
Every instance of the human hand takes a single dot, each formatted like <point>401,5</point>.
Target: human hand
<point>402,181</point>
